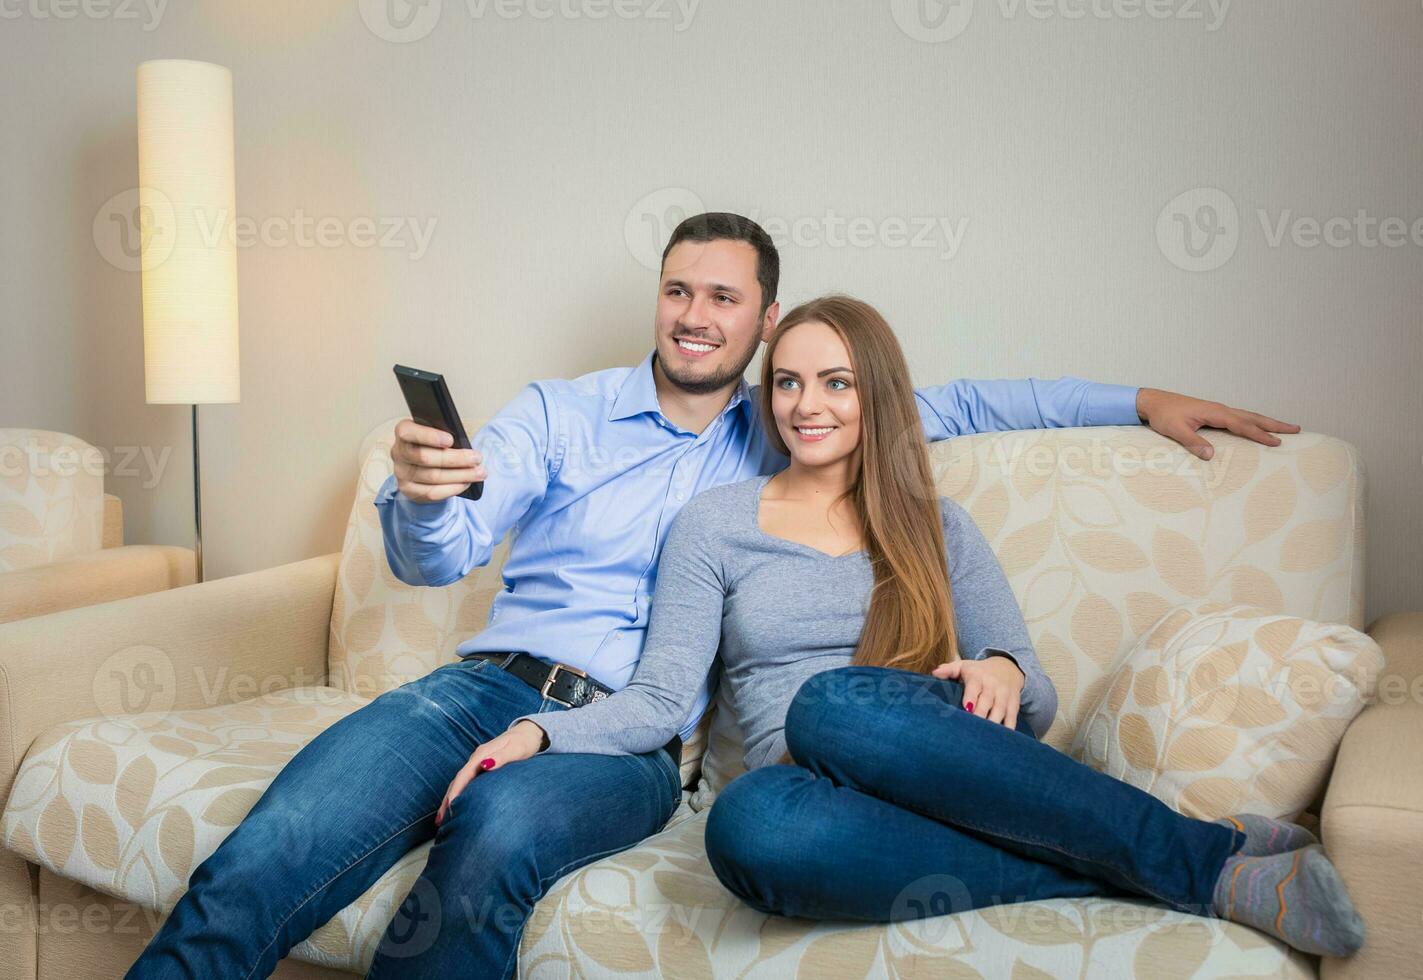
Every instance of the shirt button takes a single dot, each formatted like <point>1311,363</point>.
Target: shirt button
<point>681,495</point>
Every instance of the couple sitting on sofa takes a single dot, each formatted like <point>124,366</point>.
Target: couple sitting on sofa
<point>869,637</point>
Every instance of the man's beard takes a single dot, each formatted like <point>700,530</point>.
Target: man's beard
<point>694,385</point>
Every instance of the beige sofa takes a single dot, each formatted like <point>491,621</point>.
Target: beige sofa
<point>135,734</point>
<point>61,536</point>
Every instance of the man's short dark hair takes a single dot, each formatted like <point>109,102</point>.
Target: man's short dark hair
<point>725,226</point>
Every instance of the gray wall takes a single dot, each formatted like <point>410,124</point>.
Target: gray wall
<point>543,154</point>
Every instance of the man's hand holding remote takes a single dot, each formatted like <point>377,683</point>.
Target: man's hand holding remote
<point>427,469</point>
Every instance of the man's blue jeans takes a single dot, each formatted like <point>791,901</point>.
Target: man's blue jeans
<point>365,792</point>
<point>902,805</point>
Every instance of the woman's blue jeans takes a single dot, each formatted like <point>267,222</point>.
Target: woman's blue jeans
<point>902,805</point>
<point>365,792</point>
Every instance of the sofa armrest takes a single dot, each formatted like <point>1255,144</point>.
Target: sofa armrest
<point>1401,637</point>
<point>217,642</point>
<point>113,534</point>
<point>1372,819</point>
<point>99,576</point>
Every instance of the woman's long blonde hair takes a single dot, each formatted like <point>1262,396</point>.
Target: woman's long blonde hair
<point>910,623</point>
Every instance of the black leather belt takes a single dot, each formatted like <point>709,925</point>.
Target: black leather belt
<point>559,682</point>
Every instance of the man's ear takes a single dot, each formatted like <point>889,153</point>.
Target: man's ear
<point>773,314</point>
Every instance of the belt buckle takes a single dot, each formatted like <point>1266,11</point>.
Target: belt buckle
<point>552,676</point>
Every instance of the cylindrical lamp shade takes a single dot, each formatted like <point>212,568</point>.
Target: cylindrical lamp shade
<point>187,207</point>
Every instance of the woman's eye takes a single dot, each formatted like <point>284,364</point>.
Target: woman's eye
<point>784,382</point>
<point>838,381</point>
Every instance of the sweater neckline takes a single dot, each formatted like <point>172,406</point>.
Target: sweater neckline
<point>808,549</point>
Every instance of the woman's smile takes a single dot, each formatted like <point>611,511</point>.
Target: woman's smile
<point>814,433</point>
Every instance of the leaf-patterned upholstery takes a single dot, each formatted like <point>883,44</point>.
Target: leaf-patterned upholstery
<point>1101,532</point>
<point>51,498</point>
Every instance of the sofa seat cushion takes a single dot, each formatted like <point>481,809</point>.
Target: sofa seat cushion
<point>659,910</point>
<point>131,805</point>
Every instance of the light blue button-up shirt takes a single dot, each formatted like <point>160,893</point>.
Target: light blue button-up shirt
<point>587,475</point>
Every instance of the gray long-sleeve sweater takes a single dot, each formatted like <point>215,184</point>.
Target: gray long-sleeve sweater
<point>780,611</point>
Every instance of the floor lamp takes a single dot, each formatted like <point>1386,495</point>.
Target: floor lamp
<point>187,206</point>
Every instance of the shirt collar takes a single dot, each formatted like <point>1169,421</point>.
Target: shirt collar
<point>638,394</point>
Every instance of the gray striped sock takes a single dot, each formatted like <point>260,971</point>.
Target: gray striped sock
<point>1266,835</point>
<point>1296,896</point>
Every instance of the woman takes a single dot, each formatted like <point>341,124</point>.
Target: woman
<point>901,688</point>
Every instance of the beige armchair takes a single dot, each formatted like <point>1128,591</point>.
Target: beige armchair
<point>61,536</point>
<point>135,734</point>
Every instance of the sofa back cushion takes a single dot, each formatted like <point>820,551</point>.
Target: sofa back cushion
<point>1101,531</point>
<point>51,498</point>
<point>383,631</point>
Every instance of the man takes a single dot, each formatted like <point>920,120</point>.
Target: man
<point>588,474</point>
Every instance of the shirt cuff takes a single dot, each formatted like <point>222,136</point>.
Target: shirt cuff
<point>1112,405</point>
<point>431,514</point>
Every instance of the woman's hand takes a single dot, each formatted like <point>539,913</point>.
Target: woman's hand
<point>520,742</point>
<point>991,687</point>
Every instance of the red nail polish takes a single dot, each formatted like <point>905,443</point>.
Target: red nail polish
<point>486,763</point>
<point>968,705</point>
